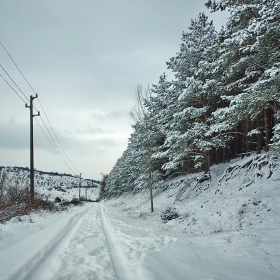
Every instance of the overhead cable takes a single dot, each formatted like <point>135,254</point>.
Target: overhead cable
<point>17,66</point>
<point>12,88</point>
<point>54,148</point>
<point>58,149</point>
<point>57,137</point>
<point>13,82</point>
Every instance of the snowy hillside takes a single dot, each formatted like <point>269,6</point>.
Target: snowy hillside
<point>237,216</point>
<point>52,184</point>
<point>241,194</point>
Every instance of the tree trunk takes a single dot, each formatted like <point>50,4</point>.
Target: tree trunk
<point>268,127</point>
<point>259,135</point>
<point>236,142</point>
<point>224,155</point>
<point>207,162</point>
<point>243,141</point>
<point>218,155</point>
<point>247,129</point>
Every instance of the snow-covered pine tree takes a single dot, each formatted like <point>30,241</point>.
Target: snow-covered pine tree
<point>187,135</point>
<point>161,107</point>
<point>249,67</point>
<point>123,175</point>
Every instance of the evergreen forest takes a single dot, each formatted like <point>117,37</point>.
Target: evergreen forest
<point>223,102</point>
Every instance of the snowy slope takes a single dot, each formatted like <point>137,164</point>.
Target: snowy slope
<point>229,229</point>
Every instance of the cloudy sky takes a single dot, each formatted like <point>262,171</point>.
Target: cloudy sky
<point>84,59</point>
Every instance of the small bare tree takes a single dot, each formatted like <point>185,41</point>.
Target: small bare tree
<point>3,179</point>
<point>103,182</point>
<point>140,115</point>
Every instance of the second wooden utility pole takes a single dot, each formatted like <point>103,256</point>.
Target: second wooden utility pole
<point>32,191</point>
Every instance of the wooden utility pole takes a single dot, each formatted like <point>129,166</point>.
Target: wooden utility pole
<point>32,147</point>
<point>80,187</point>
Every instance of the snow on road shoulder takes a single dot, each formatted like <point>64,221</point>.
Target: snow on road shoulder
<point>130,245</point>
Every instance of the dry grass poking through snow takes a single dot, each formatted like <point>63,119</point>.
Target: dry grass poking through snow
<point>15,199</point>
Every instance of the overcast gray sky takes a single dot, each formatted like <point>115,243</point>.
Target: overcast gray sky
<point>84,59</point>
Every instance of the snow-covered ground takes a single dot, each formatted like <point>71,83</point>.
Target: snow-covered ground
<point>227,230</point>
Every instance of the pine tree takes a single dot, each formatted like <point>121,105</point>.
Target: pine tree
<point>161,107</point>
<point>187,137</point>
<point>249,67</point>
<point>223,102</point>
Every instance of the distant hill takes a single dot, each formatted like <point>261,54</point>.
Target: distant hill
<point>18,170</point>
<point>49,183</point>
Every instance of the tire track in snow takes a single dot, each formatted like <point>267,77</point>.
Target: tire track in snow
<point>34,267</point>
<point>90,246</point>
<point>81,254</point>
<point>117,255</point>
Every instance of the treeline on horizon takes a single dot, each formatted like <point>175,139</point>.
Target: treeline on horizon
<point>223,102</point>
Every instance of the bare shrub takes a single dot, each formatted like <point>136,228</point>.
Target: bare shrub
<point>16,201</point>
<point>75,201</point>
<point>17,195</point>
<point>169,214</point>
<point>40,203</point>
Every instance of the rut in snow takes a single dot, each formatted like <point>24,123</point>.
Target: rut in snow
<point>85,245</point>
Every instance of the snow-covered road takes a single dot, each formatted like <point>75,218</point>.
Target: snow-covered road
<point>102,241</point>
<point>80,244</point>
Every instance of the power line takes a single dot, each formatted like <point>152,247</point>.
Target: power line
<point>16,86</point>
<point>13,89</point>
<point>13,82</point>
<point>17,66</point>
<point>58,150</point>
<point>57,137</point>
<point>54,148</point>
